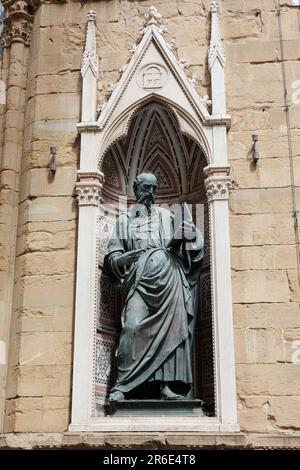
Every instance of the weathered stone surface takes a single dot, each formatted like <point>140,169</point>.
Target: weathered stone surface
<point>49,209</point>
<point>55,319</point>
<point>44,380</point>
<point>259,346</point>
<point>268,173</point>
<point>261,229</point>
<point>268,379</point>
<point>33,414</point>
<point>45,348</point>
<point>264,257</point>
<point>261,201</point>
<point>49,263</point>
<point>260,286</point>
<point>45,291</point>
<point>266,315</point>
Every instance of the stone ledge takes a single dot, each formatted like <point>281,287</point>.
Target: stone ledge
<point>126,440</point>
<point>148,441</point>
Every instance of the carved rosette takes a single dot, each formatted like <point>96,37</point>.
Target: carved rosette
<point>89,187</point>
<point>18,20</point>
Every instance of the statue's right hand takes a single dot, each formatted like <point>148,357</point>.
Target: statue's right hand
<point>129,257</point>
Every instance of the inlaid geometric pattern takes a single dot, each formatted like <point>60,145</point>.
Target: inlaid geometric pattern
<point>105,351</point>
<point>205,296</point>
<point>109,301</point>
<point>207,370</point>
<point>110,171</point>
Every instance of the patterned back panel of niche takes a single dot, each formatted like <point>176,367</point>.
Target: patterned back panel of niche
<point>153,143</point>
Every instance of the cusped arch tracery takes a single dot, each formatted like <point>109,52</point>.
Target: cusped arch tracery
<point>183,122</point>
<point>155,143</point>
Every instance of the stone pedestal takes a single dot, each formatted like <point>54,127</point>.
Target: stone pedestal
<point>157,408</point>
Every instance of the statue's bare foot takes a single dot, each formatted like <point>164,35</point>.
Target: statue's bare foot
<point>167,394</point>
<point>117,395</point>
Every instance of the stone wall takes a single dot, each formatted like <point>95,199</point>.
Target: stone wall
<point>266,289</point>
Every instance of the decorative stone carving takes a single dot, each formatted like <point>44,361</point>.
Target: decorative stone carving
<point>216,50</point>
<point>90,58</point>
<point>88,193</point>
<point>18,20</point>
<point>152,77</point>
<point>88,189</point>
<point>218,184</point>
<point>218,188</point>
<point>153,18</point>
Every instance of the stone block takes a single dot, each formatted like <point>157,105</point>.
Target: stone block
<point>261,229</point>
<point>58,106</point>
<point>45,291</point>
<point>253,420</point>
<point>190,9</point>
<point>55,319</point>
<point>254,346</point>
<point>260,286</point>
<point>68,82</point>
<point>294,285</point>
<point>53,64</point>
<point>285,412</point>
<point>51,40</point>
<point>44,381</point>
<point>241,26</point>
<point>46,236</point>
<point>40,182</point>
<point>45,348</point>
<point>186,30</point>
<point>265,315</point>
<point>269,201</point>
<point>267,173</point>
<point>43,209</point>
<point>54,14</point>
<point>41,414</point>
<point>264,257</point>
<point>46,263</point>
<point>252,52</point>
<point>268,379</point>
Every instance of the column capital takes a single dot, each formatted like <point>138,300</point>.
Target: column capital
<point>18,20</point>
<point>89,187</point>
<point>218,183</point>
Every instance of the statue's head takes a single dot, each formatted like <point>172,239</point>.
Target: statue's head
<point>144,187</point>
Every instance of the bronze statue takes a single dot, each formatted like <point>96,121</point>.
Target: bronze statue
<point>158,264</point>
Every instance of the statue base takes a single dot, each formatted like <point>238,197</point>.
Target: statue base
<point>157,408</point>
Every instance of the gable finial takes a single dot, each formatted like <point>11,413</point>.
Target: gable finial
<point>216,48</point>
<point>90,58</point>
<point>152,16</point>
<point>153,20</point>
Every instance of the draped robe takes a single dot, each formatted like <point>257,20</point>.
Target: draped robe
<point>157,318</point>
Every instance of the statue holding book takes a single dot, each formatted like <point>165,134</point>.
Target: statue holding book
<point>156,256</point>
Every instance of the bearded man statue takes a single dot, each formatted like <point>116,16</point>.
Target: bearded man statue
<point>158,264</point>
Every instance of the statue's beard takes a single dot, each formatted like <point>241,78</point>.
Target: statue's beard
<point>145,198</point>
